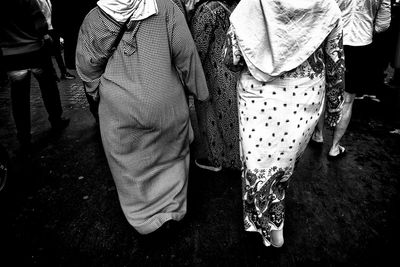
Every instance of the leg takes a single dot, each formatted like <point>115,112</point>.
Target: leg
<point>207,121</point>
<point>20,99</point>
<point>50,95</point>
<point>4,159</point>
<point>341,127</point>
<point>56,50</point>
<point>318,135</point>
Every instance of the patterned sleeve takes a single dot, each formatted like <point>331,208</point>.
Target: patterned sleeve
<point>335,69</point>
<point>202,26</point>
<point>232,55</point>
<point>382,21</point>
<point>186,58</point>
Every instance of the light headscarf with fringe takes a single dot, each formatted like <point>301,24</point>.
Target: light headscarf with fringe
<point>122,10</point>
<point>276,36</point>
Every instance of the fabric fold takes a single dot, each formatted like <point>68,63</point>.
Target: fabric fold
<point>122,10</point>
<point>277,36</point>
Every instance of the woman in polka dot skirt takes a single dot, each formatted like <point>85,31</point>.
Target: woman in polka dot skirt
<point>290,55</point>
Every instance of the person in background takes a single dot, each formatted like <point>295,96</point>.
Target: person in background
<point>3,167</point>
<point>291,58</point>
<point>3,73</point>
<point>143,111</point>
<point>23,30</point>
<point>361,19</point>
<point>395,61</point>
<point>55,46</point>
<point>218,117</point>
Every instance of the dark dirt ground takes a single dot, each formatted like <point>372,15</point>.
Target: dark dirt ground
<point>60,206</point>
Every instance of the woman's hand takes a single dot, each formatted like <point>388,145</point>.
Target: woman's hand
<point>333,116</point>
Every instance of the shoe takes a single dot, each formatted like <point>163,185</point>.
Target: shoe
<point>67,76</point>
<point>207,165</point>
<point>160,237</point>
<point>60,124</point>
<point>316,143</point>
<point>374,98</point>
<point>342,152</point>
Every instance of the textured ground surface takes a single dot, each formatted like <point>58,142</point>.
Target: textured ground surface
<point>60,206</point>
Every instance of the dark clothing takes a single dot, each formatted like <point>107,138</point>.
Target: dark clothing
<point>56,51</point>
<point>22,27</point>
<point>20,98</point>
<point>358,60</point>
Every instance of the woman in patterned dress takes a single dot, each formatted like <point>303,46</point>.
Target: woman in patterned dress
<point>144,116</point>
<point>218,117</point>
<point>291,57</point>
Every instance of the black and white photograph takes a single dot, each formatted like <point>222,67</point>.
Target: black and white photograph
<point>199,133</point>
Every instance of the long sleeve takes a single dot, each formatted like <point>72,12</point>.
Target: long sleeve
<point>383,17</point>
<point>45,7</point>
<point>335,69</point>
<point>186,58</point>
<point>202,28</point>
<point>38,17</point>
<point>96,38</point>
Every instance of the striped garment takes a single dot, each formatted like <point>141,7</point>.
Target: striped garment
<point>144,115</point>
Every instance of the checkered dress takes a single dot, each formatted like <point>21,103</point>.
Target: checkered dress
<point>144,115</point>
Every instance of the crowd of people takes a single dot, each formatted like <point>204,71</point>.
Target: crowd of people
<point>266,77</point>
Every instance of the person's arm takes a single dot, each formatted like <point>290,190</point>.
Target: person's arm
<point>335,71</point>
<point>37,17</point>
<point>383,17</point>
<point>232,55</point>
<point>93,50</point>
<point>202,26</point>
<point>185,56</point>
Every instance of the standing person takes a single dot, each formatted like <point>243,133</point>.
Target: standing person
<point>144,115</point>
<point>3,167</point>
<point>55,46</point>
<point>218,117</point>
<point>23,29</point>
<point>361,19</point>
<point>292,57</point>
<point>395,60</point>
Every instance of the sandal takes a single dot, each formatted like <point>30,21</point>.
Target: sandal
<point>342,152</point>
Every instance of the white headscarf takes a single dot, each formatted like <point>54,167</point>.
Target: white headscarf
<point>276,36</point>
<point>121,10</point>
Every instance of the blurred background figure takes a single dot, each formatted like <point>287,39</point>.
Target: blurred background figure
<point>217,117</point>
<point>395,60</point>
<point>362,19</point>
<point>54,43</point>
<point>3,167</point>
<point>23,30</point>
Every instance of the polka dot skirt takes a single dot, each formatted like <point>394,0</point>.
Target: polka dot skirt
<point>277,119</point>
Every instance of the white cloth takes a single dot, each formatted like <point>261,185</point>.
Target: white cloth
<point>121,10</point>
<point>190,4</point>
<point>361,18</point>
<point>276,36</point>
